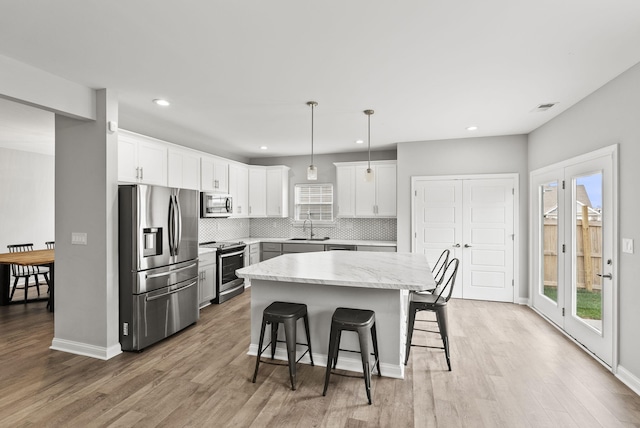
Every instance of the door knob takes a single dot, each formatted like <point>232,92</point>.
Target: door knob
<point>456,246</point>
<point>467,246</point>
<point>608,276</point>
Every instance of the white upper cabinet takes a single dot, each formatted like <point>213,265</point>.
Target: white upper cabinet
<point>277,191</point>
<point>183,169</point>
<point>239,189</point>
<point>257,191</point>
<point>346,198</point>
<point>214,174</point>
<point>360,198</point>
<point>141,159</point>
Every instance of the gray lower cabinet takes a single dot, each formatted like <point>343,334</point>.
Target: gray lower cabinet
<point>290,247</point>
<point>269,250</point>
<point>376,248</point>
<point>206,279</point>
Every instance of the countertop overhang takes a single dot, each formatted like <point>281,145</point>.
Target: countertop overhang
<point>397,271</point>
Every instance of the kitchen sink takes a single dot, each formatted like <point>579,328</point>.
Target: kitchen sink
<point>307,239</point>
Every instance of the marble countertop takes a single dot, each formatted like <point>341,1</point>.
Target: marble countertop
<point>398,271</point>
<point>255,240</point>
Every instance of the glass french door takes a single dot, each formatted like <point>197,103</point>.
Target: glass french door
<point>573,249</point>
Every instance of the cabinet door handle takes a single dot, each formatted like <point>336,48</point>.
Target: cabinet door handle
<point>137,173</point>
<point>141,173</point>
<point>456,246</point>
<point>467,246</point>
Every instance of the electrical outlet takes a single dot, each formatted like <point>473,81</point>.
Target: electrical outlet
<point>125,329</point>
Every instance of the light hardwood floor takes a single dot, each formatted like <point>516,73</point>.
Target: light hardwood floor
<point>510,369</point>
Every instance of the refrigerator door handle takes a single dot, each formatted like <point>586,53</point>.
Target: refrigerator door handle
<point>178,223</point>
<point>171,226</point>
<point>158,275</point>
<point>168,293</point>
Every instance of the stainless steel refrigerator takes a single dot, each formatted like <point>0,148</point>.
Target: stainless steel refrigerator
<point>158,244</point>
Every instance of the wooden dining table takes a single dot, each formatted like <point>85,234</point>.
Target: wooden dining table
<point>25,258</point>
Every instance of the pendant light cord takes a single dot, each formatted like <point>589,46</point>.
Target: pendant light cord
<point>369,138</point>
<point>312,105</point>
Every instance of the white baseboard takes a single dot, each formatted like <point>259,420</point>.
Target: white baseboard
<point>85,349</point>
<point>628,379</point>
<point>523,301</point>
<point>345,362</point>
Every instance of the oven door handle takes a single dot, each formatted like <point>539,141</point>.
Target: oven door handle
<point>222,256</point>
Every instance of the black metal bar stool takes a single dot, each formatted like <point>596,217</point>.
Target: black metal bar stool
<point>361,321</point>
<point>287,314</point>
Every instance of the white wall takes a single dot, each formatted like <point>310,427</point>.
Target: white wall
<point>487,155</point>
<point>26,198</point>
<point>35,87</point>
<point>608,116</point>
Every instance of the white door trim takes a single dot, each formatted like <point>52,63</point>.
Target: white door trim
<point>612,151</point>
<point>516,217</point>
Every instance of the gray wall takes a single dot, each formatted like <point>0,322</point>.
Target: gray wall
<point>26,198</point>
<point>487,155</point>
<point>608,116</point>
<point>86,277</point>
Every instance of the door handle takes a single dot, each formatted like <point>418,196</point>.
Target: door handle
<point>456,246</point>
<point>467,246</point>
<point>608,276</point>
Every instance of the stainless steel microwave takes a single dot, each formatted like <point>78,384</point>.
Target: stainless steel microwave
<point>215,205</point>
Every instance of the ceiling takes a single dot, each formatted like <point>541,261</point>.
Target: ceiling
<point>239,73</point>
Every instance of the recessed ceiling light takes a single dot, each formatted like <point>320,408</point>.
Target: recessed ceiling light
<point>161,102</point>
<point>472,128</point>
<point>359,141</point>
<point>263,147</point>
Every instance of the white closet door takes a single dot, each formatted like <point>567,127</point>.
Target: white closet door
<point>488,240</point>
<point>474,219</point>
<point>438,220</point>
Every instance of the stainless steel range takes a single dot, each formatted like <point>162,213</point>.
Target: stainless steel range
<point>230,257</point>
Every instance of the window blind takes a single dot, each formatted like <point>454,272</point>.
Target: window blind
<point>314,201</point>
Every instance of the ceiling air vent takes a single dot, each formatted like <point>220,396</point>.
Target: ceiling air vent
<point>544,107</point>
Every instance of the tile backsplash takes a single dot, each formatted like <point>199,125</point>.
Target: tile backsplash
<point>226,229</point>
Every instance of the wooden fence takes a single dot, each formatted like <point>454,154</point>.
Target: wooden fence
<point>592,234</point>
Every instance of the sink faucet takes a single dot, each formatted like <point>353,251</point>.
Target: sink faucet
<point>304,226</point>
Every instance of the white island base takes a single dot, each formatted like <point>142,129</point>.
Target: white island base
<point>321,301</point>
<point>325,281</point>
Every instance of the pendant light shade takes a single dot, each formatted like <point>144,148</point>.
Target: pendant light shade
<point>312,171</point>
<point>368,176</point>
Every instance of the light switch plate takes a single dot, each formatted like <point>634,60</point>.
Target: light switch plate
<point>78,238</point>
<point>627,245</point>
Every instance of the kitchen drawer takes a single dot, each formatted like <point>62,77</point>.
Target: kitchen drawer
<point>207,258</point>
<point>271,246</point>
<point>301,248</point>
<point>376,248</point>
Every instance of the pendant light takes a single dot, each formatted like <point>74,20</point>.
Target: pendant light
<point>368,176</point>
<point>312,171</point>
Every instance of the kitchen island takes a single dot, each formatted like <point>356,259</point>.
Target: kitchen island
<point>325,281</point>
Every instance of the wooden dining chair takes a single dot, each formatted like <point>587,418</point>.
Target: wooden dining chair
<point>25,272</point>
